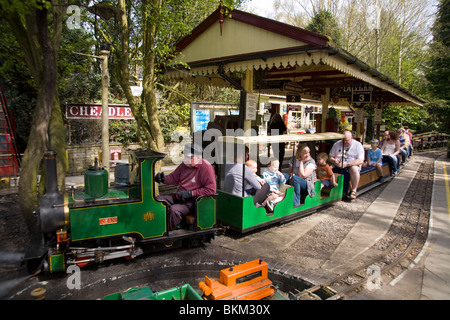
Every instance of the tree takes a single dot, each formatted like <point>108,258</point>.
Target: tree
<point>390,35</point>
<point>37,27</point>
<point>324,23</point>
<point>147,32</point>
<point>438,72</point>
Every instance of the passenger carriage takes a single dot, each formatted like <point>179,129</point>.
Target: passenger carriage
<point>240,213</point>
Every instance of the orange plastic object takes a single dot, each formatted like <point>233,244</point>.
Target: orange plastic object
<point>246,281</point>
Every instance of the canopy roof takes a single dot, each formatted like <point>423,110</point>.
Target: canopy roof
<point>281,138</point>
<point>282,59</point>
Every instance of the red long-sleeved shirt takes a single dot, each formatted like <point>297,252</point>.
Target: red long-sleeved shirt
<point>200,180</point>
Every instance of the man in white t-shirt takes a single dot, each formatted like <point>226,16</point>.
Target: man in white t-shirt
<point>347,155</point>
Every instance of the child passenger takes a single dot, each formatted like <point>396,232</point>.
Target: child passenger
<point>324,172</point>
<point>274,178</point>
<point>254,168</point>
<point>375,156</point>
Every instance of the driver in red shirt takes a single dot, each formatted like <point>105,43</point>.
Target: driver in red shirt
<point>195,177</point>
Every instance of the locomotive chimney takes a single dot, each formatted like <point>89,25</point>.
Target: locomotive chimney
<point>51,181</point>
<point>53,209</point>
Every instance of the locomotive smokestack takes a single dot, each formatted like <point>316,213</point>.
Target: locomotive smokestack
<point>51,181</point>
<point>53,209</point>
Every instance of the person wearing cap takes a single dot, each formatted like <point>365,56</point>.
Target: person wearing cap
<point>195,177</point>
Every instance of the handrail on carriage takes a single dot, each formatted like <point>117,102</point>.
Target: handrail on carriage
<point>282,138</point>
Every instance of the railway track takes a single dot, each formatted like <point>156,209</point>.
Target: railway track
<point>400,246</point>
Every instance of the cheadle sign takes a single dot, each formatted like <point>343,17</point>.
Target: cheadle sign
<point>94,111</point>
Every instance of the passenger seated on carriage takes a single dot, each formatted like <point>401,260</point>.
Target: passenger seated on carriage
<point>404,141</point>
<point>274,178</point>
<point>347,155</point>
<point>254,167</point>
<point>234,183</point>
<point>324,172</point>
<point>195,177</point>
<point>410,136</point>
<point>302,176</point>
<point>391,151</point>
<point>375,156</point>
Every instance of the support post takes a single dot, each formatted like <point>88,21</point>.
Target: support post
<point>105,112</point>
<point>325,102</point>
<point>248,87</point>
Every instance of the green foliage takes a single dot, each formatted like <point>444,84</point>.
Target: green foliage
<point>323,22</point>
<point>172,117</point>
<point>438,72</point>
<point>124,131</point>
<point>439,116</point>
<point>78,81</point>
<point>16,80</point>
<point>416,119</point>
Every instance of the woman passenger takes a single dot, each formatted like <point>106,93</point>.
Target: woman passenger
<point>303,175</point>
<point>391,150</point>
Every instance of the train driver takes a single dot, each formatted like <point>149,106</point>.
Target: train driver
<point>347,155</point>
<point>194,176</point>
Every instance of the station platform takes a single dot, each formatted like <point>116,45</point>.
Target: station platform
<point>428,276</point>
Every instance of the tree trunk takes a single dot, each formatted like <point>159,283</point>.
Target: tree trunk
<point>40,51</point>
<point>151,9</point>
<point>151,126</point>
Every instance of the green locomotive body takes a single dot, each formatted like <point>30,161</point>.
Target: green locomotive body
<point>123,221</point>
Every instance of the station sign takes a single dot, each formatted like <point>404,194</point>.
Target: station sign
<point>94,111</point>
<point>293,97</point>
<point>361,96</point>
<point>293,87</point>
<point>309,109</point>
<point>360,93</point>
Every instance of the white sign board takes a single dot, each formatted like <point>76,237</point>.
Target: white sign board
<point>250,106</point>
<point>378,113</point>
<point>136,91</point>
<point>359,115</point>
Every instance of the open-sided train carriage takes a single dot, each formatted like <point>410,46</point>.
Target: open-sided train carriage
<point>240,213</point>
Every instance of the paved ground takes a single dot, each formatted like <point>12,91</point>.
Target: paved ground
<point>428,277</point>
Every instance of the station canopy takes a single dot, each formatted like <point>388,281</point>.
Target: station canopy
<point>279,59</point>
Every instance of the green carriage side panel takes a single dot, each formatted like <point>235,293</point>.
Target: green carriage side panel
<point>184,292</point>
<point>206,212</point>
<point>131,294</point>
<point>145,217</point>
<point>57,263</point>
<point>229,208</point>
<point>338,192</point>
<point>241,214</point>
